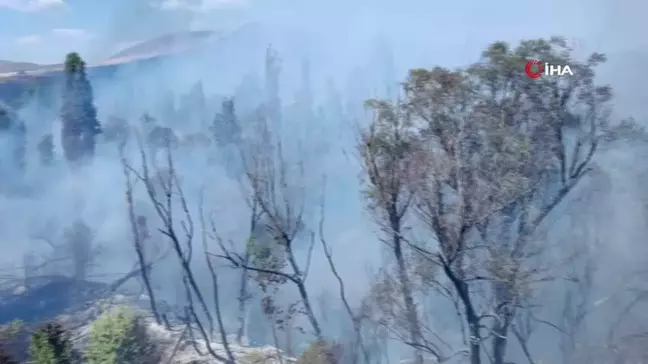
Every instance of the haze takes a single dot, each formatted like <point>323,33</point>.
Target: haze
<point>351,51</point>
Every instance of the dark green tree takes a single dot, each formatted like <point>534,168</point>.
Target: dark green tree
<point>51,344</point>
<point>226,128</point>
<point>78,113</point>
<point>11,126</point>
<point>46,149</point>
<point>272,100</point>
<point>193,105</point>
<point>20,146</point>
<point>12,343</point>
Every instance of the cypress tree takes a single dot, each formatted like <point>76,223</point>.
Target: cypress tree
<point>51,344</point>
<point>226,129</point>
<point>46,149</point>
<point>78,113</point>
<point>16,132</point>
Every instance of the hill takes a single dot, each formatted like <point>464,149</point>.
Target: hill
<point>165,44</point>
<point>11,66</point>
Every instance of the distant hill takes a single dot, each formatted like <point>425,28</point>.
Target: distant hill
<point>10,66</point>
<point>159,46</point>
<point>165,44</point>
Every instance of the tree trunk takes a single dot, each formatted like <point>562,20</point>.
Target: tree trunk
<point>406,291</point>
<point>243,298</point>
<point>505,314</point>
<point>499,342</point>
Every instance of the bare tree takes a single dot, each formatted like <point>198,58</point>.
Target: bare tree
<point>280,200</point>
<point>164,194</point>
<point>255,226</point>
<point>356,319</point>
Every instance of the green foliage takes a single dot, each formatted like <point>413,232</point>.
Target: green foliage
<point>258,357</point>
<point>8,334</point>
<point>51,344</point>
<point>10,330</point>
<point>74,63</point>
<point>5,118</point>
<point>321,352</point>
<point>78,113</point>
<point>266,254</point>
<point>120,337</point>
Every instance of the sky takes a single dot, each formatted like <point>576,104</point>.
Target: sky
<point>42,31</point>
<point>422,33</point>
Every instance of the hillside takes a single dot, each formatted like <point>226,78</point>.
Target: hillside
<point>77,304</point>
<point>164,44</point>
<point>11,66</point>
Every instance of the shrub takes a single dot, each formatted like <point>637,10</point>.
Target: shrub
<point>14,342</point>
<point>120,337</point>
<point>51,344</point>
<point>259,357</point>
<point>321,352</point>
<point>5,358</point>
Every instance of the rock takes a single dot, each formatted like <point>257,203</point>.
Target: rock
<point>77,304</point>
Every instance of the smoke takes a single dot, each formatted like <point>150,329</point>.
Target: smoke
<point>356,50</point>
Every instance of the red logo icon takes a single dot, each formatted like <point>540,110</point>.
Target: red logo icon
<point>534,69</point>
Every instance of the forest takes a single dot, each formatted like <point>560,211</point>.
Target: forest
<point>469,215</point>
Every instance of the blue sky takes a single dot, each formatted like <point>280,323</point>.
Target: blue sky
<point>43,31</point>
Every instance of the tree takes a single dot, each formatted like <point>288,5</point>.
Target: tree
<point>164,198</point>
<point>78,113</point>
<point>304,97</point>
<point>272,101</point>
<point>46,149</point>
<point>51,344</point>
<point>193,105</point>
<point>120,337</point>
<point>277,199</point>
<point>225,128</point>
<point>500,152</point>
<point>79,245</point>
<point>389,149</point>
<point>16,131</point>
<point>13,342</point>
<point>20,147</point>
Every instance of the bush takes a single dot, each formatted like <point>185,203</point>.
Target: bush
<point>321,352</point>
<point>51,344</point>
<point>5,357</point>
<point>14,342</point>
<point>120,337</point>
<point>255,358</point>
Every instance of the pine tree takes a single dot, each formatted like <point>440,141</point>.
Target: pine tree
<point>78,113</point>
<point>226,128</point>
<point>79,244</point>
<point>272,100</point>
<point>20,146</point>
<point>304,96</point>
<point>51,344</point>
<point>194,105</point>
<point>46,149</point>
<point>16,131</point>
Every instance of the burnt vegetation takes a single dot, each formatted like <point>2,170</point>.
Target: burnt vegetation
<point>463,175</point>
